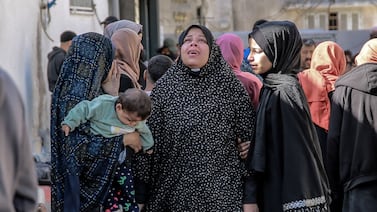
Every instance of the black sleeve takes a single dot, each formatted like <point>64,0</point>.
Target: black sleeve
<point>141,76</point>
<point>125,83</point>
<point>59,63</point>
<point>250,189</point>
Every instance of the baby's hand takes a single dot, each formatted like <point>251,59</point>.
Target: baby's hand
<point>66,129</point>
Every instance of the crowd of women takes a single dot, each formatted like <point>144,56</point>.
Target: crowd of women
<point>224,139</point>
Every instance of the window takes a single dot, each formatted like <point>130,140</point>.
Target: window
<point>316,21</point>
<point>349,21</point>
<point>343,22</point>
<point>81,6</point>
<point>311,22</point>
<point>322,21</point>
<point>355,21</point>
<point>333,21</point>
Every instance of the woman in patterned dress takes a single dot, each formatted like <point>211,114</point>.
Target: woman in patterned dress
<point>83,164</point>
<point>200,110</point>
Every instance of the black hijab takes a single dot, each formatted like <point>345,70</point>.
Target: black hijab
<point>281,42</point>
<point>210,40</point>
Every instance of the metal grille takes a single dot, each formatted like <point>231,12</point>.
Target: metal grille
<point>81,6</point>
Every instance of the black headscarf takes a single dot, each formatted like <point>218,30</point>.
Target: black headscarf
<point>280,42</point>
<point>205,31</point>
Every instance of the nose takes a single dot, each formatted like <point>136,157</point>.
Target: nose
<point>193,43</point>
<point>250,57</point>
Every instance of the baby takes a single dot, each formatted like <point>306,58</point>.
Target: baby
<point>111,116</point>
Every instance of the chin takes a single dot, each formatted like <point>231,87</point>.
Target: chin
<point>256,71</point>
<point>193,66</point>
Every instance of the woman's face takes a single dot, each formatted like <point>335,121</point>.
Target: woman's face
<point>195,49</point>
<point>258,60</point>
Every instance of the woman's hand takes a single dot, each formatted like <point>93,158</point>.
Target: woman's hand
<point>132,140</point>
<point>141,206</point>
<point>111,84</point>
<point>243,148</point>
<point>250,208</point>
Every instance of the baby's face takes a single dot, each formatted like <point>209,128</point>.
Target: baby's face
<point>127,118</point>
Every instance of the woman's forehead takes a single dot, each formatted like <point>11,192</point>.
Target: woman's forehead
<point>195,30</point>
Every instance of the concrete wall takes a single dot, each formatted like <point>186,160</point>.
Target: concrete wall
<point>28,34</point>
<point>19,44</point>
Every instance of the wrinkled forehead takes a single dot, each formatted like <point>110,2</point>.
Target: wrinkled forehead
<point>195,32</point>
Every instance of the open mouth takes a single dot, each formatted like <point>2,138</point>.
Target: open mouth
<point>192,52</point>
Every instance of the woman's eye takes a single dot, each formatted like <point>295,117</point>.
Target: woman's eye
<point>187,41</point>
<point>202,41</point>
<point>258,51</point>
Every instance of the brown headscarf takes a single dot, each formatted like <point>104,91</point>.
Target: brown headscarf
<point>328,63</point>
<point>127,53</point>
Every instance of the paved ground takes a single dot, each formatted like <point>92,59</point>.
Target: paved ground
<point>44,198</point>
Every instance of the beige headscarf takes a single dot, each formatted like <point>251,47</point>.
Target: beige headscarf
<point>127,53</point>
<point>368,53</point>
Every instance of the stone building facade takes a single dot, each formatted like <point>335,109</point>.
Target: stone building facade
<point>240,15</point>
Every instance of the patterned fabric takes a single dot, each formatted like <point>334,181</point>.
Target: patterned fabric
<point>82,164</point>
<point>122,193</point>
<point>195,121</point>
<point>306,205</point>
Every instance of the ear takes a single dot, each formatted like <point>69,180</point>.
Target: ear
<point>118,107</point>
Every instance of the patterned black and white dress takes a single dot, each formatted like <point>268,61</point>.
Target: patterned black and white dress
<point>195,121</point>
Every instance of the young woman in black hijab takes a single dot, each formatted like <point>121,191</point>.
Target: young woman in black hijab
<point>286,168</point>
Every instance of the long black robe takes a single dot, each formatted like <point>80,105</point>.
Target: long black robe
<point>286,160</point>
<point>352,140</point>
